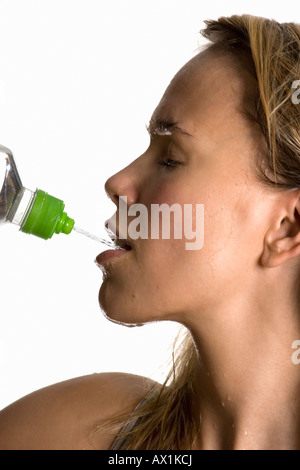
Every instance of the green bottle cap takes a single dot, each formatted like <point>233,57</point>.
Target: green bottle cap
<point>47,217</point>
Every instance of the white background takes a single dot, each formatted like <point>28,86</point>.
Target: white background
<point>79,79</point>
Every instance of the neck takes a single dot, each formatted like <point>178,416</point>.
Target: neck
<point>246,383</point>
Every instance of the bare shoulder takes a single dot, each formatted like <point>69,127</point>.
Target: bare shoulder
<point>65,415</point>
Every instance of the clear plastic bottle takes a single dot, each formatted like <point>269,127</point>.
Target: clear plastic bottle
<point>35,212</point>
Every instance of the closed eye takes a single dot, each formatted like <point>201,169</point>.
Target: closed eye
<point>169,164</point>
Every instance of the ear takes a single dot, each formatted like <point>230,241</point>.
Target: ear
<point>282,240</point>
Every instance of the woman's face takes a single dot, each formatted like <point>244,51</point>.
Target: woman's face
<point>159,279</point>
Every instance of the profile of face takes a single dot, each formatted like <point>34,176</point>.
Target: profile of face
<point>214,147</point>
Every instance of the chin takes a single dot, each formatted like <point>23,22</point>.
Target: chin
<point>115,310</point>
<point>123,323</point>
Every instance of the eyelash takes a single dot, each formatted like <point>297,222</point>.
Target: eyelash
<point>169,164</point>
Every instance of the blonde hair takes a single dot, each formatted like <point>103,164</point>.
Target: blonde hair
<point>272,50</point>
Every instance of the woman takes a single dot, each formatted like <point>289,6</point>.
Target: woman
<point>226,134</point>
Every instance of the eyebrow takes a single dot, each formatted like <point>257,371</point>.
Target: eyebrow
<point>164,127</point>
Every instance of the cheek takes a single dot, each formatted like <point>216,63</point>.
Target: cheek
<point>165,279</point>
<point>220,229</point>
<point>172,275</point>
<point>234,233</point>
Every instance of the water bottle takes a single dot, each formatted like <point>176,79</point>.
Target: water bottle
<point>35,212</point>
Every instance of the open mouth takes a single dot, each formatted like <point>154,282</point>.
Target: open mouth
<point>119,243</point>
<point>122,244</point>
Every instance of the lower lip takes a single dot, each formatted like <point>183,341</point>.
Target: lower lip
<point>108,255</point>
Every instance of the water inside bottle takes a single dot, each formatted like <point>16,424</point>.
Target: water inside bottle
<point>110,243</point>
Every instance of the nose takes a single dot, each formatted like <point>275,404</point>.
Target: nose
<point>123,183</point>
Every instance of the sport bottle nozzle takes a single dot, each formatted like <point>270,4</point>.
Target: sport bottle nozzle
<point>36,213</point>
<point>47,217</point>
